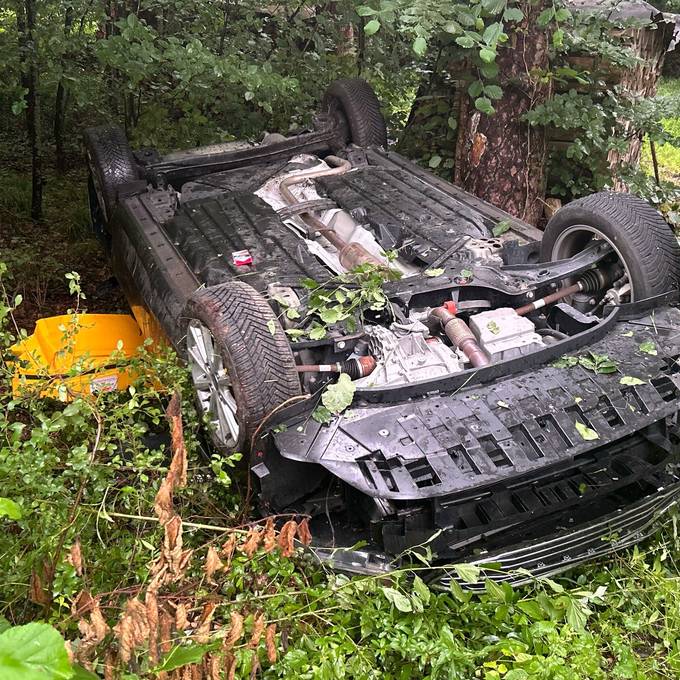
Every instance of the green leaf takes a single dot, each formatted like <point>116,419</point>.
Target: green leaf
<point>532,609</point>
<point>271,325</point>
<point>493,6</point>
<point>35,651</point>
<point>648,347</point>
<point>484,105</point>
<point>365,11</point>
<point>373,26</point>
<point>627,334</point>
<point>513,14</point>
<point>492,33</point>
<point>317,333</point>
<point>586,433</point>
<point>435,161</point>
<point>80,673</point>
<point>465,41</point>
<point>181,655</point>
<point>399,600</point>
<point>565,362</point>
<point>452,122</point>
<point>545,16</point>
<point>630,380</point>
<point>501,228</point>
<point>8,508</point>
<point>421,589</point>
<point>292,313</point>
<point>576,616</point>
<point>294,333</point>
<point>476,88</point>
<point>493,91</point>
<point>338,396</point>
<point>420,46</point>
<point>322,415</point>
<point>487,55</point>
<point>467,572</point>
<point>437,271</point>
<point>493,327</point>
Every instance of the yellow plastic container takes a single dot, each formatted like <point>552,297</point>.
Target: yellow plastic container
<point>66,357</point>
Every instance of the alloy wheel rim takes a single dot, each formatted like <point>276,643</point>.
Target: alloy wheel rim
<point>212,385</point>
<point>568,244</point>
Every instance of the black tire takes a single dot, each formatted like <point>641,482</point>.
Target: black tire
<point>259,363</point>
<point>643,239</point>
<point>355,103</point>
<point>111,163</point>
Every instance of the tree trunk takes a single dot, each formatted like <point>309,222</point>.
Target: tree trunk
<point>60,102</point>
<point>500,157</point>
<point>33,111</point>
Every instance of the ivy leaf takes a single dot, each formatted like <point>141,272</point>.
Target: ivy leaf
<point>437,271</point>
<point>399,600</point>
<point>484,105</point>
<point>501,227</point>
<point>365,11</point>
<point>35,651</point>
<point>338,396</point>
<point>292,313</point>
<point>630,380</point>
<point>294,333</point>
<point>373,26</point>
<point>586,433</point>
<point>435,161</point>
<point>271,325</point>
<point>648,347</point>
<point>467,572</point>
<point>420,46</point>
<point>8,508</point>
<point>465,41</point>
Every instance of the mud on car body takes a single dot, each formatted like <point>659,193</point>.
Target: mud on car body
<point>514,393</point>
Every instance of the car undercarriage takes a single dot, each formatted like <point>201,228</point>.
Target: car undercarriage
<point>506,395</point>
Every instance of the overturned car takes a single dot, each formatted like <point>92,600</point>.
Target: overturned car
<point>396,358</point>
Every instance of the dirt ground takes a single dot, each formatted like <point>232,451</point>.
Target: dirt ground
<point>38,256</point>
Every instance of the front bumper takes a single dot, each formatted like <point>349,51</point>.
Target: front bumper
<point>532,559</point>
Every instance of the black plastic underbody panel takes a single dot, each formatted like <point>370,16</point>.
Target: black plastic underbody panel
<point>207,231</point>
<point>442,444</point>
<point>429,220</point>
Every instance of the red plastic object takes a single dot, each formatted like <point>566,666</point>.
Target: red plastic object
<point>450,307</point>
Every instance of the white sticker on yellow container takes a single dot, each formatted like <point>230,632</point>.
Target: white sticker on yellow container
<point>107,383</point>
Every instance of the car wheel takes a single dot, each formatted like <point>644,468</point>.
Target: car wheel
<point>241,364</point>
<point>642,240</point>
<point>111,163</point>
<point>354,104</point>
